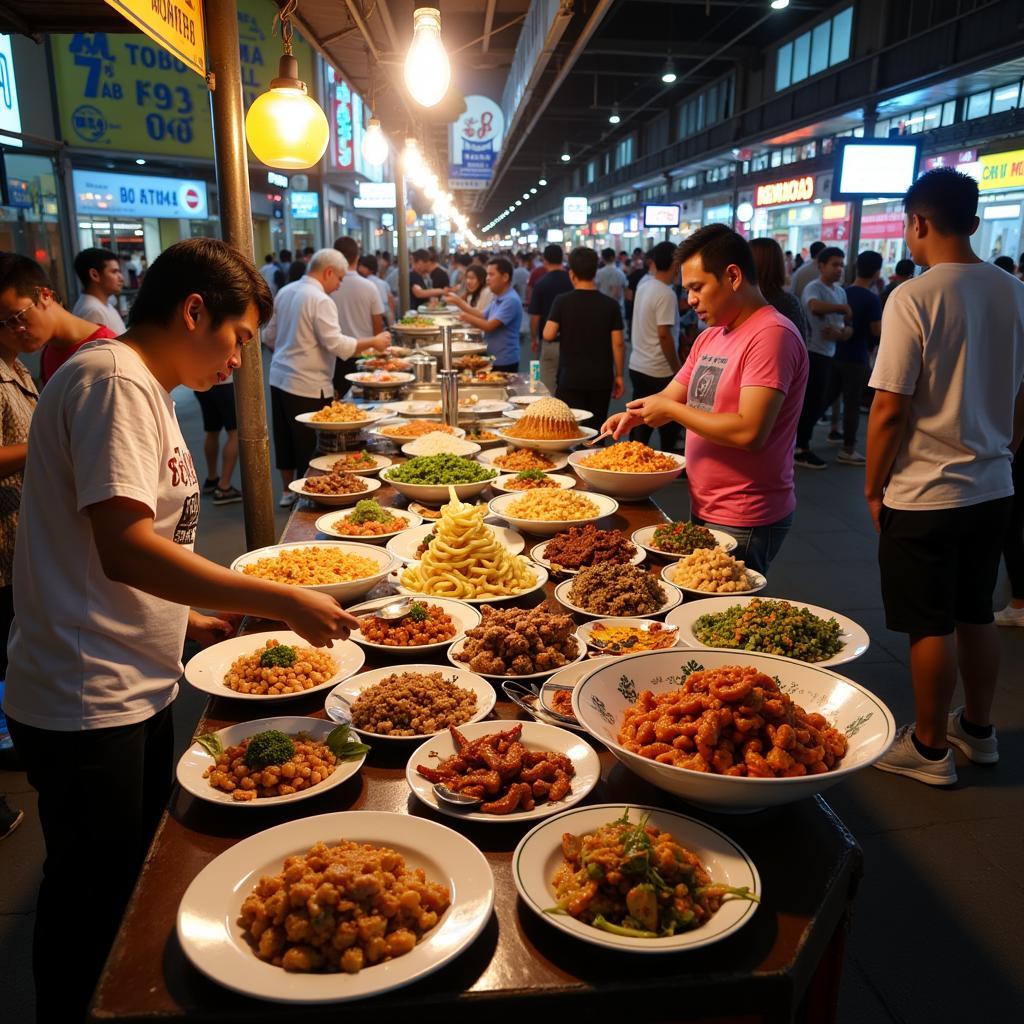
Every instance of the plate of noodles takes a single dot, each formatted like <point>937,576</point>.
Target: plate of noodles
<point>406,545</point>
<point>467,562</point>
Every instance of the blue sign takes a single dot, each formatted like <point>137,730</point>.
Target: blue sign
<point>305,205</point>
<point>474,142</point>
<point>138,195</point>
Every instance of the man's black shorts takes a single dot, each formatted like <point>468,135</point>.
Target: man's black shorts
<point>218,406</point>
<point>940,566</point>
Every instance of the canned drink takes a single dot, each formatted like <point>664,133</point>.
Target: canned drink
<point>534,369</point>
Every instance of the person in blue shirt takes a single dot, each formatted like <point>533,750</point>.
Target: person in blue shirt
<point>501,319</point>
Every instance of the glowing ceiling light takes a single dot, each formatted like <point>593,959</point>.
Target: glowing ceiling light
<point>428,72</point>
<point>779,5</point>
<point>613,117</point>
<point>668,75</point>
<point>542,182</point>
<point>375,143</point>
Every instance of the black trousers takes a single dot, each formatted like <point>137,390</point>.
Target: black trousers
<point>669,433</point>
<point>596,400</point>
<point>294,443</point>
<point>101,794</point>
<point>819,370</point>
<point>848,380</point>
<point>1013,541</point>
<point>341,367</point>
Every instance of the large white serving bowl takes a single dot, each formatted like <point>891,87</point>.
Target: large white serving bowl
<point>338,704</point>
<point>580,414</point>
<point>854,638</point>
<point>539,855</point>
<point>539,572</point>
<point>488,458</point>
<point>601,698</point>
<point>673,597</point>
<point>334,500</point>
<point>548,528</point>
<point>535,736</point>
<point>644,538</point>
<point>406,544</point>
<point>757,580</point>
<point>370,419</point>
<point>562,480</point>
<point>627,486</point>
<point>325,463</point>
<point>463,616</point>
<point>197,759</point>
<point>342,592</point>
<point>214,942</point>
<point>558,444</point>
<point>325,525</point>
<point>433,494</point>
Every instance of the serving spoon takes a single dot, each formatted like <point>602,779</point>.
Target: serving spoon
<point>454,799</point>
<point>594,440</point>
<point>394,611</point>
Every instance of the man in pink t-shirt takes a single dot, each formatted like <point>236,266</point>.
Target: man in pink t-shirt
<point>738,395</point>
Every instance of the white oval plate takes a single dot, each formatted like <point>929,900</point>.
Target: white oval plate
<point>399,440</point>
<point>467,449</point>
<point>538,570</point>
<point>213,941</point>
<point>759,580</point>
<point>584,631</point>
<point>370,380</point>
<point>580,414</point>
<point>554,445</point>
<point>526,399</point>
<point>323,525</point>
<point>464,617</point>
<point>340,699</point>
<point>404,546</point>
<point>642,538</point>
<point>207,669</point>
<point>539,855</point>
<point>456,649</point>
<point>343,426</point>
<point>501,483</point>
<point>537,554</point>
<point>855,638</point>
<point>325,463</point>
<point>549,527</point>
<point>535,736</point>
<point>416,330</point>
<point>459,348</point>
<point>557,461</point>
<point>673,594</point>
<point>334,500</point>
<point>196,760</point>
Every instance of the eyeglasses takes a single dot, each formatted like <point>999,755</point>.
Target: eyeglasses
<point>16,320</point>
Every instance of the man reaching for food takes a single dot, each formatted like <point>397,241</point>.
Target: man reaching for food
<point>738,395</point>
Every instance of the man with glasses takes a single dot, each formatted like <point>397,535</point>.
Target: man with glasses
<point>30,308</point>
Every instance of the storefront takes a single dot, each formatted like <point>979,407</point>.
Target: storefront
<point>1001,208</point>
<point>790,211</point>
<point>881,230</point>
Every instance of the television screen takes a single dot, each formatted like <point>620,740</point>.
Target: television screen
<point>555,235</point>
<point>575,210</point>
<point>875,169</point>
<point>661,216</point>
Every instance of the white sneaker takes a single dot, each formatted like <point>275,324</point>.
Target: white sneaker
<point>288,499</point>
<point>1010,616</point>
<point>851,458</point>
<point>902,758</point>
<point>980,751</point>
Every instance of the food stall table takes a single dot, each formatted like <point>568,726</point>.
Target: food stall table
<point>783,965</point>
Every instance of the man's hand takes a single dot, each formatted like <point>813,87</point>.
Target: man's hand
<point>875,508</point>
<point>316,617</point>
<point>211,629</point>
<point>456,300</point>
<point>381,342</point>
<point>653,410</point>
<point>830,333</point>
<point>535,347</point>
<point>618,388</point>
<point>621,423</point>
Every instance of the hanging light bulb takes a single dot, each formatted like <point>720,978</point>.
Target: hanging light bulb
<point>565,158</point>
<point>779,5</point>
<point>375,143</point>
<point>542,182</point>
<point>285,126</point>
<point>412,161</point>
<point>668,75</point>
<point>613,117</point>
<point>427,71</point>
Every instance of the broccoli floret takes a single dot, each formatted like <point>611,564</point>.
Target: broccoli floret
<point>278,656</point>
<point>369,511</point>
<point>270,747</point>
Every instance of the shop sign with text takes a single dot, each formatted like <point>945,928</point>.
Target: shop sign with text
<point>1001,170</point>
<point>882,225</point>
<point>176,25</point>
<point>792,190</point>
<point>139,195</point>
<point>474,141</point>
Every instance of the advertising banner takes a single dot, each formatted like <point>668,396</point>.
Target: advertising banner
<point>139,195</point>
<point>474,141</point>
<point>176,25</point>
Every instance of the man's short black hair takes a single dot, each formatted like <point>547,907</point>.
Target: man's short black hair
<point>583,263</point>
<point>905,268</point>
<point>947,199</point>
<point>370,262</point>
<point>22,274</point>
<point>554,254</point>
<point>607,254</point>
<point>269,258</point>
<point>1006,263</point>
<point>218,272</point>
<point>663,255</point>
<point>830,252</point>
<point>719,247</point>
<point>92,259</point>
<point>385,256</point>
<point>421,256</point>
<point>286,256</point>
<point>463,259</point>
<point>349,248</point>
<point>869,263</point>
<point>816,247</point>
<point>502,265</point>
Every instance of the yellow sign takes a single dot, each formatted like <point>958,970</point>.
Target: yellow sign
<point>1001,170</point>
<point>120,92</point>
<point>177,25</point>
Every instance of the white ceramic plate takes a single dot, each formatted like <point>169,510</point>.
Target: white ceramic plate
<point>459,348</point>
<point>456,649</point>
<point>416,330</point>
<point>207,669</point>
<point>563,481</point>
<point>462,615</point>
<point>538,570</point>
<point>526,399</point>
<point>371,381</point>
<point>566,679</point>
<point>372,417</point>
<point>673,597</point>
<point>334,500</point>
<point>645,536</point>
<point>758,580</point>
<point>213,941</point>
<point>398,439</point>
<point>324,526</point>
<point>489,457</point>
<point>340,699</point>
<point>539,855</point>
<point>584,632</point>
<point>548,528</point>
<point>404,546</point>
<point>580,414</point>
<point>325,463</point>
<point>466,449</point>
<point>556,445</point>
<point>196,760</point>
<point>854,638</point>
<point>537,554</point>
<point>535,736</point>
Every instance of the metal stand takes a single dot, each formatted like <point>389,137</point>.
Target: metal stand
<point>449,397</point>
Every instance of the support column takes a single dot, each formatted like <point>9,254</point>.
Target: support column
<point>403,238</point>
<point>231,160</point>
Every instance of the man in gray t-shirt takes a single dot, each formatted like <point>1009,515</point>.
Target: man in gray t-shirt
<point>611,281</point>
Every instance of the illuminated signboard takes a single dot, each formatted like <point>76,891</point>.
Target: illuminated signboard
<point>1001,170</point>
<point>574,210</point>
<point>136,195</point>
<point>341,105</point>
<point>792,190</point>
<point>374,195</point>
<point>305,205</point>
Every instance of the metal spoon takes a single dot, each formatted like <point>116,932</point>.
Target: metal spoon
<point>594,440</point>
<point>394,611</point>
<point>453,799</point>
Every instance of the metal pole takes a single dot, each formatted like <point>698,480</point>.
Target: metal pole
<point>403,238</point>
<point>236,225</point>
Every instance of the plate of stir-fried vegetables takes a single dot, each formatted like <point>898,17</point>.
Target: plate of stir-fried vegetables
<point>636,878</point>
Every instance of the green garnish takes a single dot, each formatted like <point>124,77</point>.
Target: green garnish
<point>267,748</point>
<point>531,474</point>
<point>278,656</point>
<point>369,511</point>
<point>417,612</point>
<point>343,748</point>
<point>210,742</point>
<point>618,929</point>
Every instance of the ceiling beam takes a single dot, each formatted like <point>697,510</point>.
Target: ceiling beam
<point>650,50</point>
<point>488,25</point>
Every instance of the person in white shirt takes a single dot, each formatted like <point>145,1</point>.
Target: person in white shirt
<point>360,310</point>
<point>269,271</point>
<point>611,281</point>
<point>306,340</point>
<point>99,272</point>
<point>105,578</point>
<point>806,272</point>
<point>368,270</point>
<point>947,416</point>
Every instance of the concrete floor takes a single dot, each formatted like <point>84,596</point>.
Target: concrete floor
<point>937,928</point>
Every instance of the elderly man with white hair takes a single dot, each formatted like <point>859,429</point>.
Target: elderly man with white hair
<point>306,339</point>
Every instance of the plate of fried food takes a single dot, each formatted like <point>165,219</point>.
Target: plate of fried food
<point>369,521</point>
<point>532,480</point>
<point>521,643</point>
<point>713,571</point>
<point>335,488</point>
<point>521,773</point>
<point>636,879</point>
<point>410,701</point>
<point>411,545</point>
<point>342,416</point>
<point>609,590</point>
<point>518,460</point>
<point>629,470</point>
<point>363,462</point>
<point>271,666</point>
<point>231,920</point>
<point>618,636</point>
<point>271,761</point>
<point>678,539</point>
<point>431,625</point>
<point>579,547</point>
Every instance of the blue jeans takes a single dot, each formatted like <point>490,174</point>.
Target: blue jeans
<point>756,546</point>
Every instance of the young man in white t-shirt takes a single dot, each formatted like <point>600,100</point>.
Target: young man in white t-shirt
<point>947,415</point>
<point>104,580</point>
<point>99,273</point>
